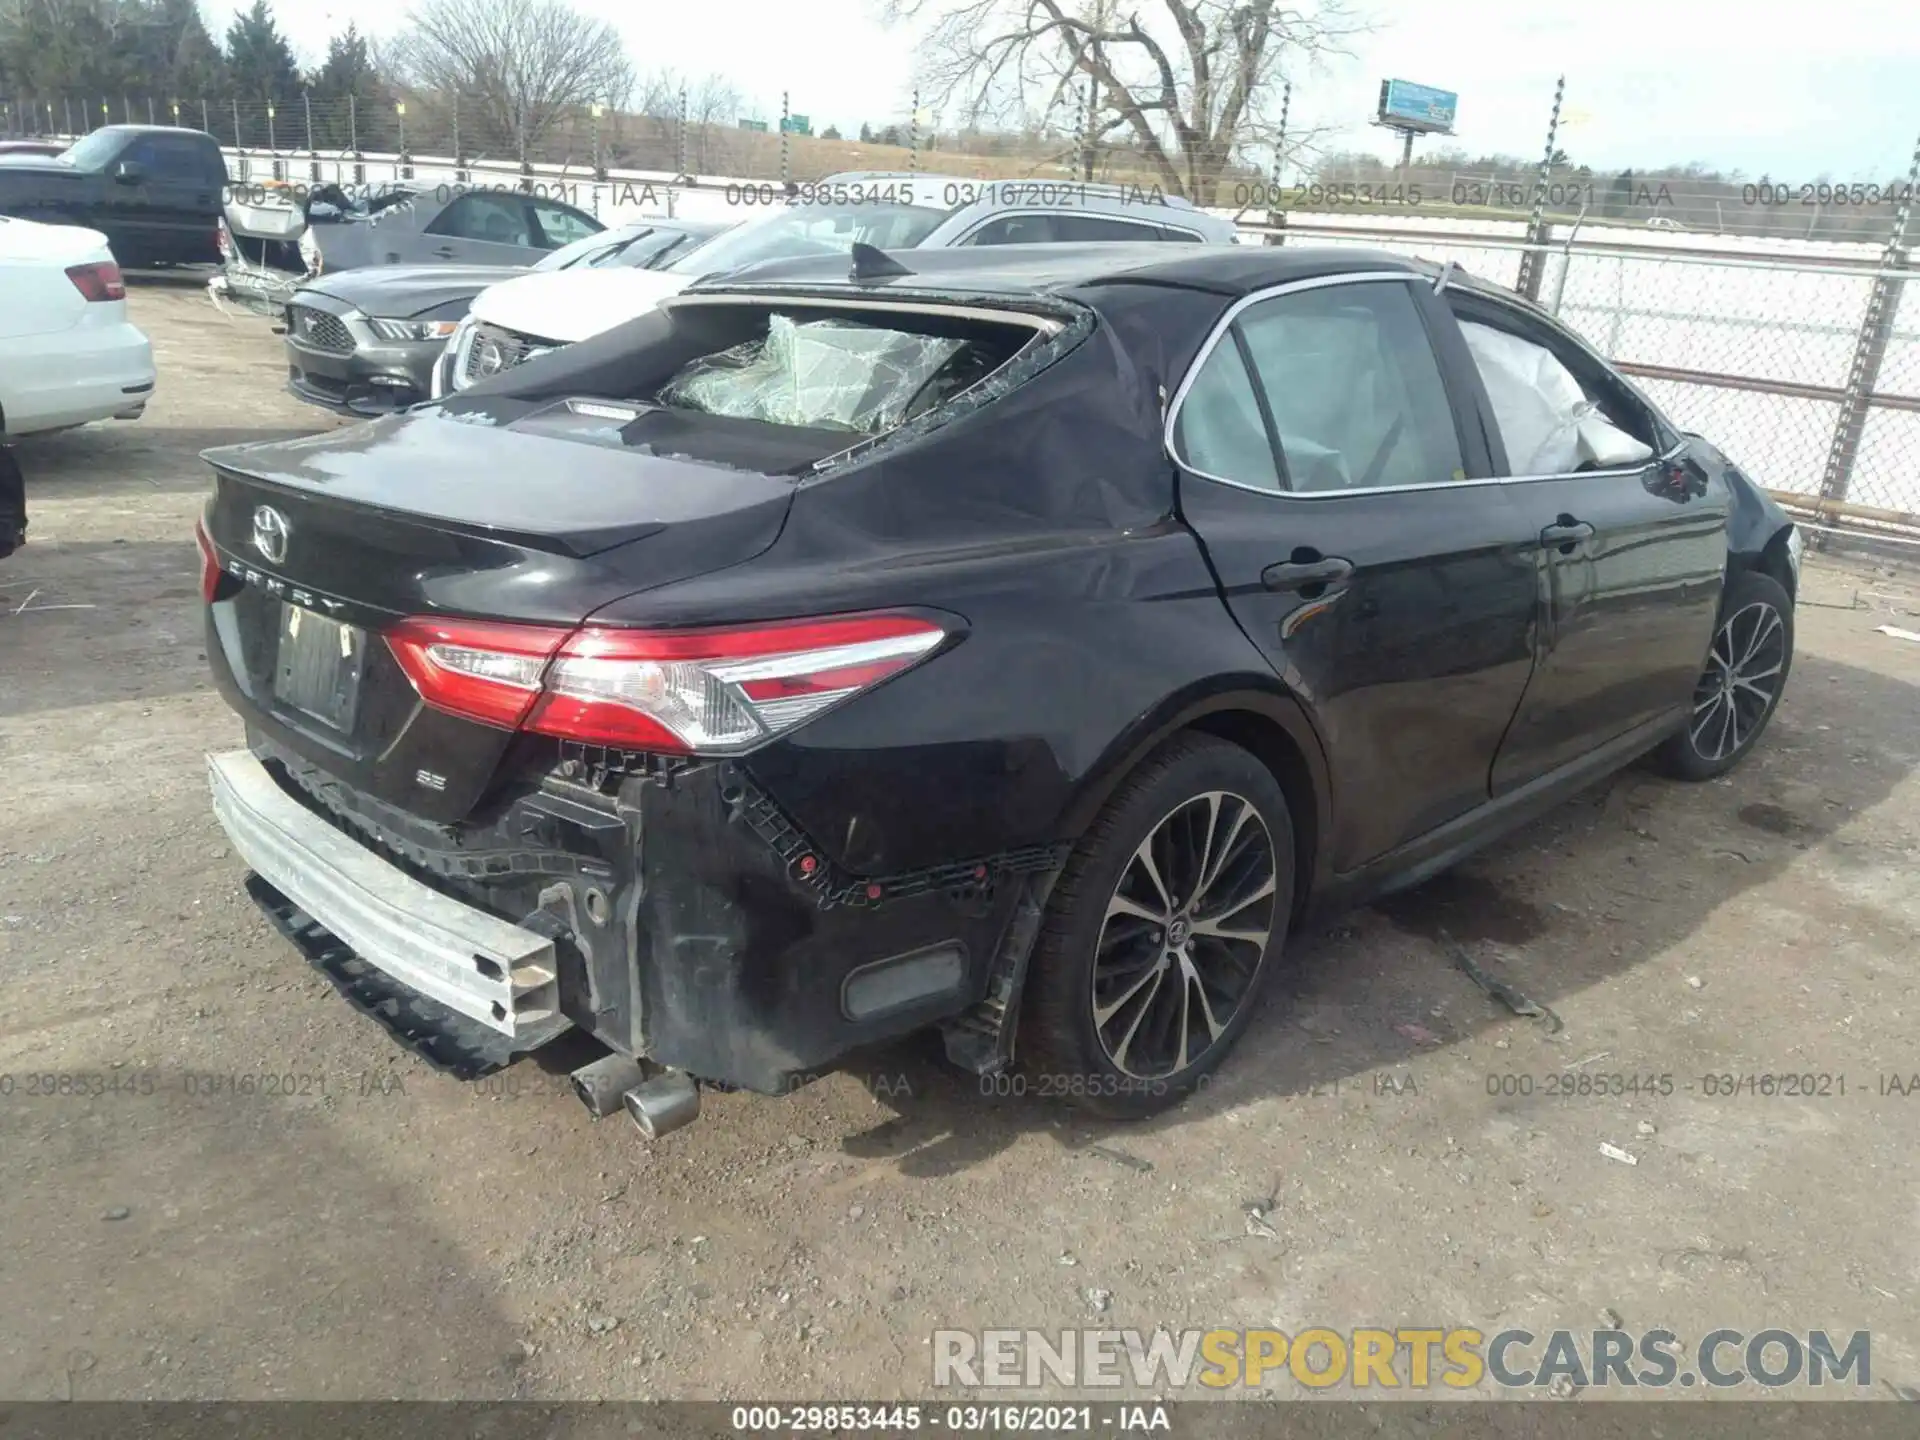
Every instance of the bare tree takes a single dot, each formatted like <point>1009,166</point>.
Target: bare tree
<point>517,66</point>
<point>1193,85</point>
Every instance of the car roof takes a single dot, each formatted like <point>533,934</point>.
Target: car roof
<point>152,130</point>
<point>987,270</point>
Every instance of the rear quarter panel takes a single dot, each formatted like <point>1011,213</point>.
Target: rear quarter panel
<point>1043,526</point>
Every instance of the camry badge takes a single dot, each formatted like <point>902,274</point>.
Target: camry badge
<point>270,533</point>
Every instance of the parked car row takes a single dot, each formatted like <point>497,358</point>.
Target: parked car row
<point>366,341</point>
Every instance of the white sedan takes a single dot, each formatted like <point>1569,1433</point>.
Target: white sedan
<point>68,353</point>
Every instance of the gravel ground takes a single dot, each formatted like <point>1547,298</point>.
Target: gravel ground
<point>359,1226</point>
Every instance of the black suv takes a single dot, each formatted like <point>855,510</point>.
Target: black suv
<point>1021,641</point>
<point>157,193</point>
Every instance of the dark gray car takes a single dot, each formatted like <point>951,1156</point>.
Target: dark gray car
<point>364,341</point>
<point>330,228</point>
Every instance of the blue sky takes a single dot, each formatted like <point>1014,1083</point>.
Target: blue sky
<point>1828,88</point>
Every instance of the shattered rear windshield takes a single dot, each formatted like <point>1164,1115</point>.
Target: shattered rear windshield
<point>832,374</point>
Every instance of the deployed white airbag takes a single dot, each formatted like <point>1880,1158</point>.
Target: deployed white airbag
<point>1546,419</point>
<point>817,373</point>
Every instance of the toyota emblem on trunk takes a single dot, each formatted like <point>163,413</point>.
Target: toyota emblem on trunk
<point>270,533</point>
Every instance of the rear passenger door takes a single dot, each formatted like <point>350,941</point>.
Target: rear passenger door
<point>482,227</point>
<point>1336,473</point>
<point>1630,538</point>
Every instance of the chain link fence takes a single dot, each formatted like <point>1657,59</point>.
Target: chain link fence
<point>1803,363</point>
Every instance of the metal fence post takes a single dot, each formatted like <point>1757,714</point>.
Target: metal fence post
<point>786,168</point>
<point>1276,211</point>
<point>203,116</point>
<point>1870,347</point>
<point>1566,259</point>
<point>1533,261</point>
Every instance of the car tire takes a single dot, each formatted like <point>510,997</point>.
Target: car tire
<point>1199,826</point>
<point>1740,687</point>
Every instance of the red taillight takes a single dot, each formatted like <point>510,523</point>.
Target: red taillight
<point>99,281</point>
<point>689,691</point>
<point>489,673</point>
<point>209,563</point>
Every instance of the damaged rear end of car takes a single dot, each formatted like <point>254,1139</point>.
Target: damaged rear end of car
<point>536,681</point>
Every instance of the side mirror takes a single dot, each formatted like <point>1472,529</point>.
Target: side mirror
<point>129,172</point>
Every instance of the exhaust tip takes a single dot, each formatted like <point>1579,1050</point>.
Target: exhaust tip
<point>663,1103</point>
<point>601,1085</point>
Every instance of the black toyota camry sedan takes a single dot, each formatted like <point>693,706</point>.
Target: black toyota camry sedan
<point>1020,642</point>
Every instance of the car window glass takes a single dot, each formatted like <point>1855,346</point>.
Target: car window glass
<point>92,152</point>
<point>1354,388</point>
<point>1017,230</point>
<point>833,374</point>
<point>561,226</point>
<point>1167,232</point>
<point>177,160</point>
<point>1102,227</point>
<point>1550,423</point>
<point>500,219</point>
<point>806,228</point>
<point>144,153</point>
<point>1220,432</point>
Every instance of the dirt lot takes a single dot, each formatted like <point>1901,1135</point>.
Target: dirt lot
<point>384,1231</point>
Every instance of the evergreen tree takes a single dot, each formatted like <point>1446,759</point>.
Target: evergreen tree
<point>349,93</point>
<point>260,63</point>
<point>348,68</point>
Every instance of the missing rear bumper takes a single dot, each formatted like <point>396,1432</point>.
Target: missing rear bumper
<point>496,975</point>
<point>445,1039</point>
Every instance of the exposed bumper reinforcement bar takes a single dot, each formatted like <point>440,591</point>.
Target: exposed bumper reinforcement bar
<point>500,979</point>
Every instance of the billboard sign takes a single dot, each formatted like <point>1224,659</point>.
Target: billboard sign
<point>1406,106</point>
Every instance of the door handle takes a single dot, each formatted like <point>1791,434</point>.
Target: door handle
<point>445,252</point>
<point>1303,574</point>
<point>1566,532</point>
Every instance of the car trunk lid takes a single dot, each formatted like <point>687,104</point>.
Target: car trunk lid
<point>327,542</point>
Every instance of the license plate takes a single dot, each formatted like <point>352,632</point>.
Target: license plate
<point>319,665</point>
